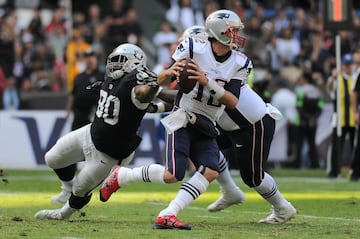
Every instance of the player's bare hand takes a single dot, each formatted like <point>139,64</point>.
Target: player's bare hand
<point>197,74</point>
<point>176,68</point>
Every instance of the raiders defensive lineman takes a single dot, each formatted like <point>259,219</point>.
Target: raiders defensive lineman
<point>220,71</point>
<point>111,139</point>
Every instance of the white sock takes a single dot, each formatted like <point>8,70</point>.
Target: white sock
<point>67,185</point>
<point>151,173</point>
<point>188,192</point>
<point>269,191</point>
<point>66,211</point>
<point>224,179</point>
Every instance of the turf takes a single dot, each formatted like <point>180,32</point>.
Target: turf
<point>326,209</point>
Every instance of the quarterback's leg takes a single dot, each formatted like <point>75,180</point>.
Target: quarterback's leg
<point>204,154</point>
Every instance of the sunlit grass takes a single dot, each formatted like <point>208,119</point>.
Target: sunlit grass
<point>326,209</point>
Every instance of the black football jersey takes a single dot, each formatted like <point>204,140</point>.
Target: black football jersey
<point>117,119</point>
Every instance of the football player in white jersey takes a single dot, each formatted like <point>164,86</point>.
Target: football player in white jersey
<point>248,130</point>
<point>220,71</point>
<point>242,133</point>
<point>111,138</point>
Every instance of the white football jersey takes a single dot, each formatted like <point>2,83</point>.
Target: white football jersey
<point>199,100</point>
<point>250,109</point>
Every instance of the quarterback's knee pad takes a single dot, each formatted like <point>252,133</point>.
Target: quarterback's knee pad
<point>79,202</point>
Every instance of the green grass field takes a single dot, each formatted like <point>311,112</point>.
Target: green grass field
<point>326,209</point>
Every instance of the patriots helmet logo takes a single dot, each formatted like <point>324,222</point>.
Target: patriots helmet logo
<point>223,15</point>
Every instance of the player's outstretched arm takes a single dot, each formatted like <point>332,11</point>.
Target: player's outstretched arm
<point>145,93</point>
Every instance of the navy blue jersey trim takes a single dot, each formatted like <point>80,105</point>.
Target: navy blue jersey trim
<point>246,64</point>
<point>191,48</point>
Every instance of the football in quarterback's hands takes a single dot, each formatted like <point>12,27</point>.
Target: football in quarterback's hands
<point>186,84</point>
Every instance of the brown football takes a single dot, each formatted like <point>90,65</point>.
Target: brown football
<point>186,84</point>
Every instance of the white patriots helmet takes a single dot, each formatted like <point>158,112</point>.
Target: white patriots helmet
<point>224,26</point>
<point>124,59</point>
<point>197,31</point>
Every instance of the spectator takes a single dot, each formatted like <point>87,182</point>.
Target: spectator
<point>287,46</point>
<point>99,44</point>
<point>116,23</point>
<point>57,39</point>
<point>19,68</point>
<point>342,81</point>
<point>93,20</point>
<point>82,101</point>
<point>355,105</point>
<point>57,21</point>
<point>2,86</point>
<point>11,98</point>
<point>74,57</point>
<point>7,39</point>
<point>163,40</point>
<point>133,28</point>
<point>281,21</point>
<point>285,100</point>
<point>36,26</point>
<point>183,14</point>
<point>309,107</point>
<point>271,57</point>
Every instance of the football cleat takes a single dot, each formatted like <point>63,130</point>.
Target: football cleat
<point>62,197</point>
<point>226,200</point>
<point>170,222</point>
<point>50,214</point>
<point>280,215</point>
<point>110,185</point>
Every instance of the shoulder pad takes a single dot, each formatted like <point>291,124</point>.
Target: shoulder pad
<point>198,44</point>
<point>242,60</point>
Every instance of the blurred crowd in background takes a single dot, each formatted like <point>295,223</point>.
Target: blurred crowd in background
<point>285,40</point>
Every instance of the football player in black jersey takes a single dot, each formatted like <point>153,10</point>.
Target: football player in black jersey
<point>111,139</point>
<point>81,103</point>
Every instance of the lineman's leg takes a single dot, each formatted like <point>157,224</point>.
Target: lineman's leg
<point>153,173</point>
<point>62,158</point>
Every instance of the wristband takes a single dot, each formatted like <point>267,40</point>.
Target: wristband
<point>214,89</point>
